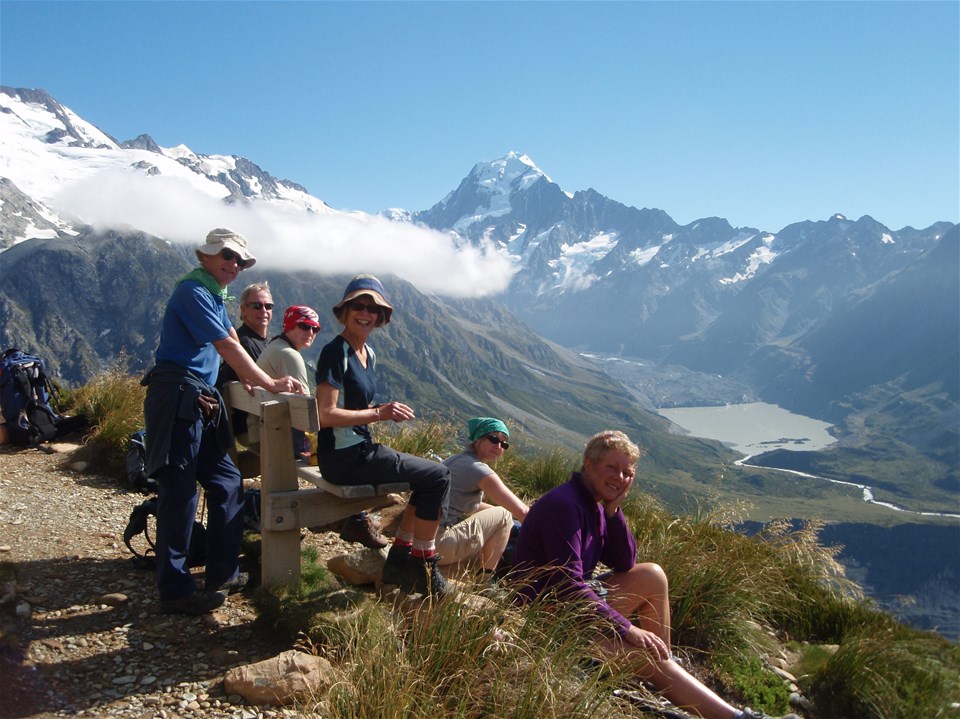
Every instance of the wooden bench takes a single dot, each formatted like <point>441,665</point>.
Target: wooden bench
<point>285,509</point>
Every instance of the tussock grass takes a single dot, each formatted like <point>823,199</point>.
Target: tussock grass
<point>892,674</point>
<point>735,600</point>
<point>476,659</point>
<point>433,438</point>
<point>113,403</point>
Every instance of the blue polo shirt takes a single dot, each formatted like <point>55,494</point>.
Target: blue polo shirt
<point>193,320</point>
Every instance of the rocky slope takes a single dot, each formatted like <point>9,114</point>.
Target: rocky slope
<point>83,635</point>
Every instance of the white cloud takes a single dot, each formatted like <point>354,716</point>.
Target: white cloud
<point>289,238</point>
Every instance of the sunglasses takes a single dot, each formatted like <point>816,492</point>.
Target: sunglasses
<point>308,328</point>
<point>260,305</point>
<point>363,306</point>
<point>502,442</point>
<point>231,256</point>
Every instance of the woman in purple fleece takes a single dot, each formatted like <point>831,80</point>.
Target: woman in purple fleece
<point>579,524</point>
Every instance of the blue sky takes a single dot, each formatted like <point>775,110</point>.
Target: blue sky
<point>765,113</point>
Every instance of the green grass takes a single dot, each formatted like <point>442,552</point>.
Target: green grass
<point>735,601</point>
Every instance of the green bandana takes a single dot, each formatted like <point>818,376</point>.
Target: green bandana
<point>479,426</point>
<point>201,276</point>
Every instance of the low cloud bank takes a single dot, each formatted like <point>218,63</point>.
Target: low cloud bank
<point>287,237</point>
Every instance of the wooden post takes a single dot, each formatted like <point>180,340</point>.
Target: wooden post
<point>280,542</point>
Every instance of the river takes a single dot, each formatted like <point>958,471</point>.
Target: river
<point>759,427</point>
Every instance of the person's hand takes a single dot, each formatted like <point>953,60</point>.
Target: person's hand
<point>248,386</point>
<point>288,384</point>
<point>649,642</point>
<point>610,506</point>
<point>397,411</point>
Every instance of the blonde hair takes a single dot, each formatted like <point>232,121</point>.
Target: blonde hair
<point>609,439</point>
<point>253,289</point>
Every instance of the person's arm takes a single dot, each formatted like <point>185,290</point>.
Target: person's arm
<point>562,544</point>
<point>333,416</point>
<point>235,356</point>
<point>494,488</point>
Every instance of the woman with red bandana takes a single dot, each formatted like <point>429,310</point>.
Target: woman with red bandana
<point>281,357</point>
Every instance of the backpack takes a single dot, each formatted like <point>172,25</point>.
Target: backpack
<point>251,510</point>
<point>25,394</point>
<point>137,464</point>
<point>140,523</point>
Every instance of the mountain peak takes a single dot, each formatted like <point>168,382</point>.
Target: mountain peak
<point>506,170</point>
<point>142,142</point>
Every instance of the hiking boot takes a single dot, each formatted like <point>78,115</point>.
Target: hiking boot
<point>237,584</point>
<point>362,529</point>
<point>749,713</point>
<point>195,603</point>
<point>393,568</point>
<point>421,575</point>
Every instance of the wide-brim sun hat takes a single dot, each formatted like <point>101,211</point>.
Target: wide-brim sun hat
<point>223,239</point>
<point>365,285</point>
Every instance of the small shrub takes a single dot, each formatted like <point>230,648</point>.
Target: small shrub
<point>113,403</point>
<point>756,686</point>
<point>295,612</point>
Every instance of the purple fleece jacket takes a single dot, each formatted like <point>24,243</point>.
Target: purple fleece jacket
<point>566,530</point>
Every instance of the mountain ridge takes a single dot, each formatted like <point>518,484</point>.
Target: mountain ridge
<point>772,312</point>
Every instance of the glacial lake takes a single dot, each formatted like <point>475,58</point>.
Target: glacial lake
<point>752,428</point>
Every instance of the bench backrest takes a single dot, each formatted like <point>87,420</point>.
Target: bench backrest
<point>303,408</point>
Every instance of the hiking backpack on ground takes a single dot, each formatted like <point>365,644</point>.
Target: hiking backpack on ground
<point>137,464</point>
<point>25,395</point>
<point>143,521</point>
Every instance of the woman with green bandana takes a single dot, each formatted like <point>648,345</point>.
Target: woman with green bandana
<point>187,433</point>
<point>474,532</point>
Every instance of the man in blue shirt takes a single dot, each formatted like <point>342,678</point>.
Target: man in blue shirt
<point>187,432</point>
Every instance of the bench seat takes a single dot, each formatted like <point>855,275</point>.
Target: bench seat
<point>285,509</point>
<point>311,474</point>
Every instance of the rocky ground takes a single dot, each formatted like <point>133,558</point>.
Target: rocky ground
<point>81,633</point>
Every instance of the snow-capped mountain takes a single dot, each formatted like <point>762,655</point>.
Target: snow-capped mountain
<point>47,147</point>
<point>844,320</point>
<point>608,278</point>
<point>590,272</point>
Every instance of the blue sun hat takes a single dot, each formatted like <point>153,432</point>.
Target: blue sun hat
<point>365,285</point>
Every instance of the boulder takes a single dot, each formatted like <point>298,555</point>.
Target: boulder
<point>290,677</point>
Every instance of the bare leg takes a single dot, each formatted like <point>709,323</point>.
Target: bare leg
<point>424,529</point>
<point>679,686</point>
<point>686,691</point>
<point>643,590</point>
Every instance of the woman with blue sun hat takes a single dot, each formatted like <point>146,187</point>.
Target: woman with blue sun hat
<point>346,453</point>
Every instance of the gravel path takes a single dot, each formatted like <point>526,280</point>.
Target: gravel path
<point>84,635</point>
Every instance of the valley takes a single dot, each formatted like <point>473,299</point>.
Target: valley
<point>519,298</point>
